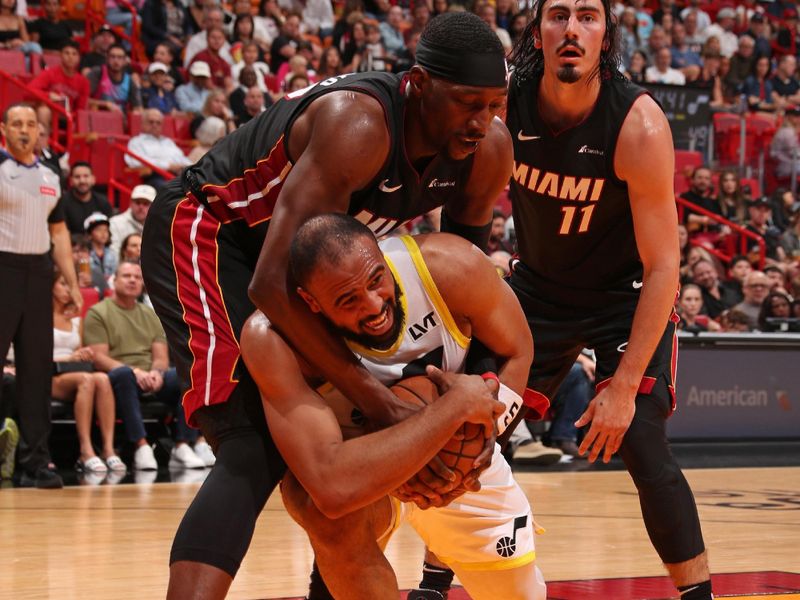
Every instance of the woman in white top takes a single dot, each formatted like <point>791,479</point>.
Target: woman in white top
<point>86,389</point>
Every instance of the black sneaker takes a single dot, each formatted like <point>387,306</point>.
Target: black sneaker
<point>426,595</point>
<point>43,478</point>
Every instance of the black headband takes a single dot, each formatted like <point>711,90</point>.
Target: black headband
<point>484,69</point>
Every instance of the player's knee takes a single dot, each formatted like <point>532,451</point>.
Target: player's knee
<point>522,583</point>
<point>646,455</point>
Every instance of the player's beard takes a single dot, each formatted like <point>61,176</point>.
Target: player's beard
<point>384,342</point>
<point>568,74</point>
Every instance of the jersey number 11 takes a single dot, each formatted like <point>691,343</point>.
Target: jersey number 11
<point>568,216</point>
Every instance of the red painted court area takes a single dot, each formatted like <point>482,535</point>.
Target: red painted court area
<point>726,585</point>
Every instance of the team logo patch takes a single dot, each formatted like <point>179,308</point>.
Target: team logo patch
<point>506,546</point>
<point>47,191</point>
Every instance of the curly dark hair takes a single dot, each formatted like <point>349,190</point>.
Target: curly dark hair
<point>324,238</point>
<point>527,60</point>
<point>462,31</point>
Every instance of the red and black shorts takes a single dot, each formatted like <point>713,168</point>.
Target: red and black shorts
<point>197,271</point>
<point>560,333</point>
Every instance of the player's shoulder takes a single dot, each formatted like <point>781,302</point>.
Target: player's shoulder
<point>645,119</point>
<point>266,352</point>
<point>645,126</point>
<point>258,336</point>
<point>347,105</point>
<point>497,144</point>
<point>343,119</point>
<point>493,159</point>
<point>449,256</point>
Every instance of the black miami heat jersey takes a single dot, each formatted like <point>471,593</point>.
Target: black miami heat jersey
<point>241,176</point>
<point>572,215</point>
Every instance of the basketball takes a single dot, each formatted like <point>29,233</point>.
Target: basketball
<point>460,452</point>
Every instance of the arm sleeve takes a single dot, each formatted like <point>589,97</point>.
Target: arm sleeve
<point>478,235</point>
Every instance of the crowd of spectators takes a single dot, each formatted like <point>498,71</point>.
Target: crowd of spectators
<point>745,56</point>
<point>739,295</point>
<point>220,65</point>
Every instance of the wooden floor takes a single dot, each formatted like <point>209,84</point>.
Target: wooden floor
<point>112,542</point>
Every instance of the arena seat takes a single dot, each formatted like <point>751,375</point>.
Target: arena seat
<point>90,297</point>
<point>727,140</point>
<point>687,159</point>
<point>134,123</point>
<point>13,62</point>
<point>681,183</point>
<point>11,93</point>
<point>51,59</point>
<point>100,122</point>
<point>181,127</point>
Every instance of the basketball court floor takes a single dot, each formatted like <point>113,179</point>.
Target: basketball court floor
<point>112,541</point>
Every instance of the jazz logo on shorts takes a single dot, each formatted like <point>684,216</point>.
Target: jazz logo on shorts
<point>506,546</point>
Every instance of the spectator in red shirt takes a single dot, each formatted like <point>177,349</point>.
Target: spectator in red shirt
<point>63,83</point>
<point>220,69</point>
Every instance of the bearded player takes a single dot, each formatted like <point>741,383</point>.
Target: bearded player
<point>402,307</point>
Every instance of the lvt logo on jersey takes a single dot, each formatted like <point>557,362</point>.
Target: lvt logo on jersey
<point>555,185</point>
<point>417,330</point>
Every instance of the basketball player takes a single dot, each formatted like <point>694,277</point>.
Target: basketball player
<point>383,147</point>
<point>595,217</point>
<point>402,307</point>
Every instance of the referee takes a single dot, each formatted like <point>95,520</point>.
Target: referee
<point>31,217</point>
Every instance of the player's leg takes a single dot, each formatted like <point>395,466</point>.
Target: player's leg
<point>557,341</point>
<point>348,550</point>
<point>522,583</point>
<point>189,261</point>
<point>668,507</point>
<point>215,533</point>
<point>486,538</point>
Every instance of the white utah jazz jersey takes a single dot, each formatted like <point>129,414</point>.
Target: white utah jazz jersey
<point>490,530</point>
<point>428,336</point>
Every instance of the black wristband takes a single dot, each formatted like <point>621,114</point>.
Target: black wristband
<point>478,235</point>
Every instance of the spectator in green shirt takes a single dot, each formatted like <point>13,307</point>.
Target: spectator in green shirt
<point>129,344</point>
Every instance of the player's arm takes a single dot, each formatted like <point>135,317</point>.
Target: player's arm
<point>342,142</point>
<point>343,476</point>
<point>470,216</point>
<point>490,309</point>
<point>649,176</point>
<point>487,304</point>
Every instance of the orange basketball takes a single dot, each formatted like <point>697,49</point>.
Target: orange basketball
<point>460,452</point>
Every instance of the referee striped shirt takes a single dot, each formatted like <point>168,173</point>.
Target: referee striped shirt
<point>30,199</point>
